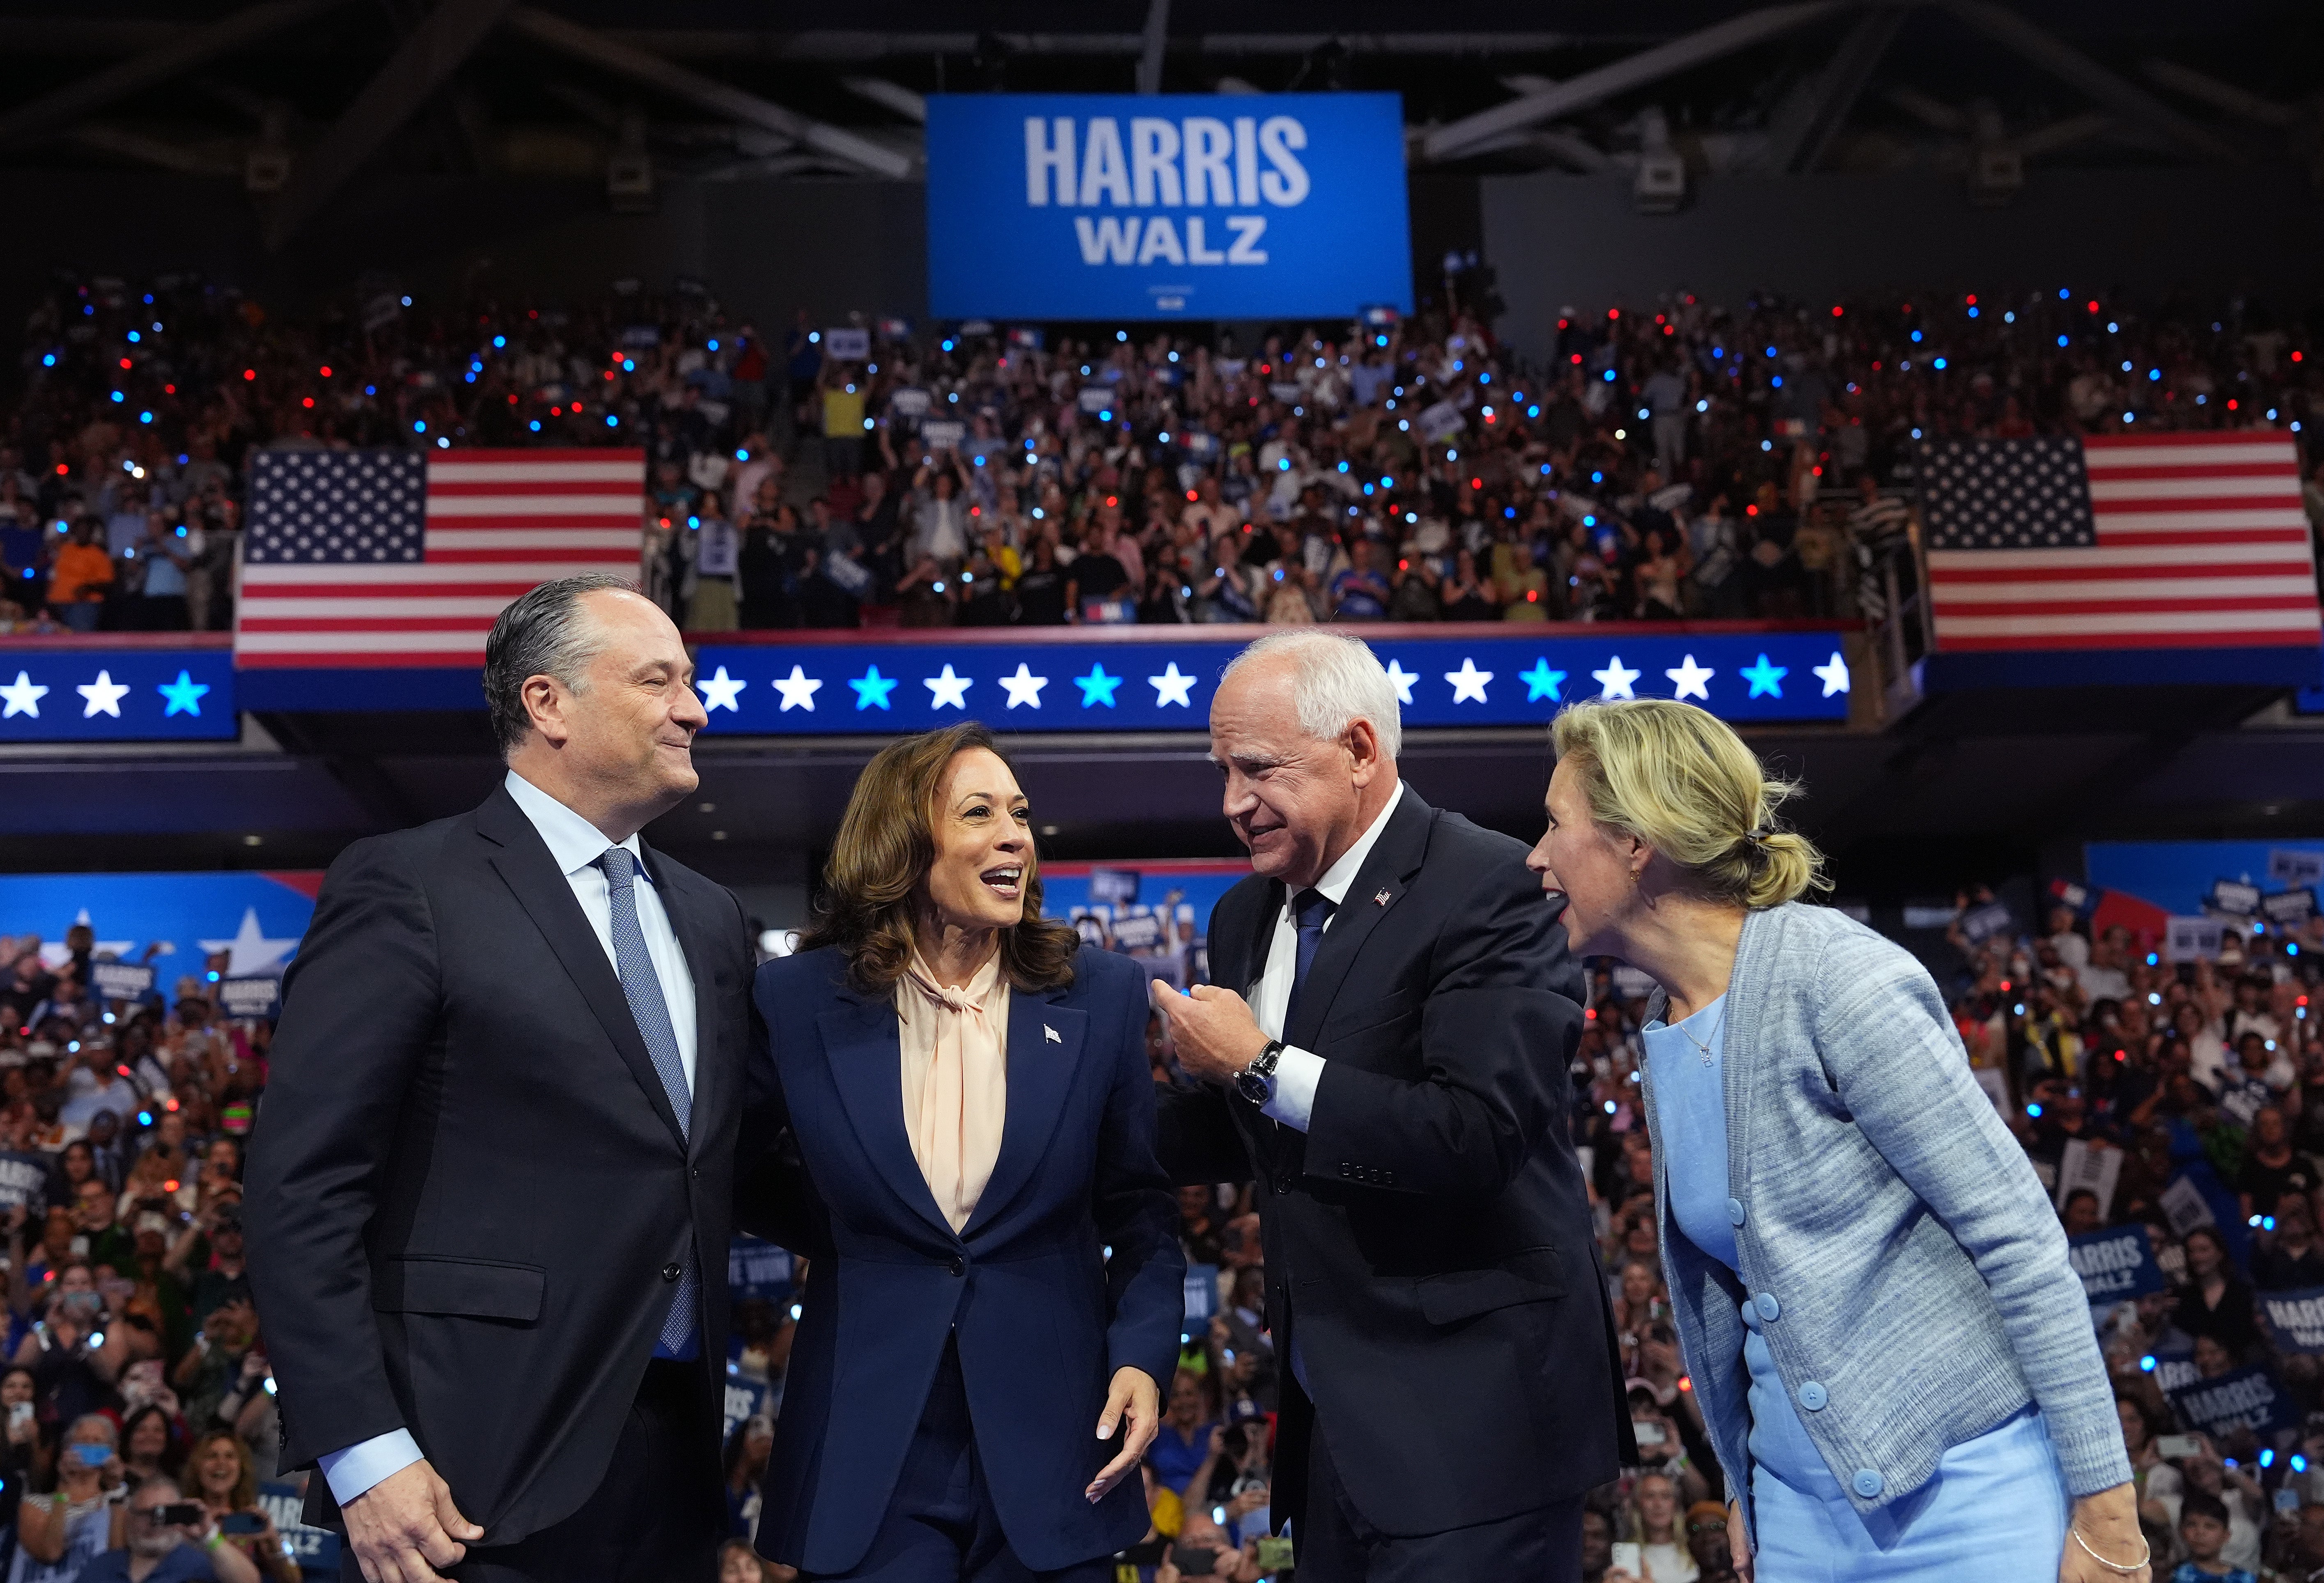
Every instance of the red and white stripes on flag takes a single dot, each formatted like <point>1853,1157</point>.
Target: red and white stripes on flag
<point>393,558</point>
<point>2150,541</point>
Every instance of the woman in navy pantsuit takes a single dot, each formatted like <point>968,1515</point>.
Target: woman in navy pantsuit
<point>995,1287</point>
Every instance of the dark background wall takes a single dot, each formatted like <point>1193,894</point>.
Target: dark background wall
<point>1559,240</point>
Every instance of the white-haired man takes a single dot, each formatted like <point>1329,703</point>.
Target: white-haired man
<point>1394,1075</point>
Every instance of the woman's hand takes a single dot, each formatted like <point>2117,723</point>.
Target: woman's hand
<point>1134,1402</point>
<point>1738,1542</point>
<point>2106,1523</point>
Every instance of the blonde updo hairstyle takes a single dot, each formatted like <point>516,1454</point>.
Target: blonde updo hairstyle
<point>1677,778</point>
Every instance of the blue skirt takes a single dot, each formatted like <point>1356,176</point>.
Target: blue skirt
<point>1995,1510</point>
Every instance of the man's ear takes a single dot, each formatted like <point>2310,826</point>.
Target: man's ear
<point>1363,751</point>
<point>544,705</point>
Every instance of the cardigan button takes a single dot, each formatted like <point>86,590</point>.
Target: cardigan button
<point>1811,1396</point>
<point>1867,1484</point>
<point>1735,1211</point>
<point>1769,1309</point>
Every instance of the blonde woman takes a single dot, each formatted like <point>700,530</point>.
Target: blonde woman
<point>1892,1356</point>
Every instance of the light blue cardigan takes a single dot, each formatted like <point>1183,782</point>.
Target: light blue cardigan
<point>1910,1274</point>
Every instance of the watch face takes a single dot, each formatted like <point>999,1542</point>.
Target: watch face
<point>1251,1087</point>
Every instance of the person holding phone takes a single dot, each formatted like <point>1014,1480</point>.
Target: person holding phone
<point>57,1534</point>
<point>168,1539</point>
<point>995,1289</point>
<point>1834,1190</point>
<point>221,1474</point>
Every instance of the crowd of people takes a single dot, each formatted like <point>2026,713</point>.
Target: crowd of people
<point>137,1375</point>
<point>1677,459</point>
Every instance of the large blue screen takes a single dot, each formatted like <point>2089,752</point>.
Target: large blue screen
<point>1169,205</point>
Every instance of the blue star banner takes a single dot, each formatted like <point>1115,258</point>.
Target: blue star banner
<point>1078,684</point>
<point>117,695</point>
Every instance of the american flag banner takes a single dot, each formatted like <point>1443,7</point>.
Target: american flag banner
<point>2117,541</point>
<point>399,558</point>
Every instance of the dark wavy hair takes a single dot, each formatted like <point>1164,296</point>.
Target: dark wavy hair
<point>884,849</point>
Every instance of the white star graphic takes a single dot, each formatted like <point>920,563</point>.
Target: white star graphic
<point>103,696</point>
<point>1170,686</point>
<point>947,691</point>
<point>23,698</point>
<point>251,951</point>
<point>1833,676</point>
<point>1403,678</point>
<point>797,690</point>
<point>1024,687</point>
<point>1694,681</point>
<point>718,692</point>
<point>1614,681</point>
<point>1468,682</point>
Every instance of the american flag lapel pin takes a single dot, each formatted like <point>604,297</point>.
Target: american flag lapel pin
<point>1052,1034</point>
<point>1380,900</point>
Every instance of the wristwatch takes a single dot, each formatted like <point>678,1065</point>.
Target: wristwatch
<point>1251,1081</point>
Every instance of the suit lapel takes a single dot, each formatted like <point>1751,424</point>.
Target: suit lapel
<point>867,1066</point>
<point>1045,1048</point>
<point>522,861</point>
<point>1262,936</point>
<point>682,905</point>
<point>1393,860</point>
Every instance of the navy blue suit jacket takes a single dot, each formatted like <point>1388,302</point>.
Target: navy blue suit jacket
<point>1069,1269</point>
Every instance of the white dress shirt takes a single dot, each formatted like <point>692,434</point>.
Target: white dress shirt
<point>574,844</point>
<point>1291,1091</point>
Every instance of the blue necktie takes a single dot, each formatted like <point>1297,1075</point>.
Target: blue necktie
<point>642,988</point>
<point>1310,910</point>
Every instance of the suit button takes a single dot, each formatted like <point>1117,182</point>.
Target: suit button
<point>1767,1306</point>
<point>671,1272</point>
<point>1866,1483</point>
<point>1735,1211</point>
<point>959,1267</point>
<point>1812,1397</point>
<point>1347,1168</point>
<point>1283,1183</point>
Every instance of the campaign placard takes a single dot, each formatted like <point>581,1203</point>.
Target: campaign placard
<point>120,980</point>
<point>2116,1266</point>
<point>757,1268</point>
<point>315,1550</point>
<point>257,995</point>
<point>24,1180</point>
<point>2246,1398</point>
<point>2296,1318</point>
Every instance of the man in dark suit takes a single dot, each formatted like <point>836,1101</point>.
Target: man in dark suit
<point>490,1193</point>
<point>1397,1083</point>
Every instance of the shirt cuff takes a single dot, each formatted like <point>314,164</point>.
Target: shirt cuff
<point>1291,1091</point>
<point>354,1470</point>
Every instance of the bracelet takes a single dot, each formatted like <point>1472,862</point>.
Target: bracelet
<point>215,1539</point>
<point>2127,1572</point>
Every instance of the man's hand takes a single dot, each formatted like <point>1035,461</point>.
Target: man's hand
<point>1215,1034</point>
<point>405,1526</point>
<point>1135,1403</point>
<point>1738,1542</point>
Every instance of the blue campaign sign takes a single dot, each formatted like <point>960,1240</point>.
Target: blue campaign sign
<point>315,1550</point>
<point>116,695</point>
<point>1170,206</point>
<point>2116,1265</point>
<point>2295,1318</point>
<point>757,1268</point>
<point>1043,683</point>
<point>2246,1398</point>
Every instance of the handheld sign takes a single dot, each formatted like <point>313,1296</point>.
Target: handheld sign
<point>120,980</point>
<point>2296,1318</point>
<point>2245,1398</point>
<point>2116,1265</point>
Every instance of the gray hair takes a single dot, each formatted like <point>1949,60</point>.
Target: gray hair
<point>540,634</point>
<point>1337,681</point>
